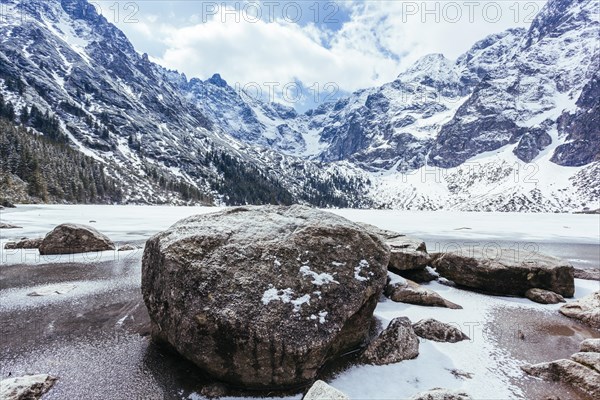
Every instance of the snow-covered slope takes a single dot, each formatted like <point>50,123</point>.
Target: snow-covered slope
<point>510,125</point>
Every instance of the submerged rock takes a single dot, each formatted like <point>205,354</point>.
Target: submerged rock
<point>569,372</point>
<point>544,296</point>
<point>8,226</point>
<point>442,394</point>
<point>405,291</point>
<point>586,310</point>
<point>29,387</point>
<point>396,343</point>
<point>74,238</point>
<point>263,297</point>
<point>507,272</point>
<point>438,331</point>
<point>24,244</point>
<point>322,391</point>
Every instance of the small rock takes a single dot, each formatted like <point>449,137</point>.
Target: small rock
<point>127,247</point>
<point>74,238</point>
<point>9,226</point>
<point>322,391</point>
<point>592,345</point>
<point>588,274</point>
<point>438,331</point>
<point>29,387</point>
<point>406,291</point>
<point>568,372</point>
<point>53,290</point>
<point>24,244</point>
<point>214,391</point>
<point>442,394</point>
<point>544,296</point>
<point>396,343</point>
<point>586,309</point>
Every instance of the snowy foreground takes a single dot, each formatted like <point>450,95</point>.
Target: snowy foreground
<point>86,333</point>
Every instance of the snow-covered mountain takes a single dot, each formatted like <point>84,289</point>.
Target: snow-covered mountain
<point>510,125</point>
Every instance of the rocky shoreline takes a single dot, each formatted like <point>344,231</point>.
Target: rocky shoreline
<point>222,281</point>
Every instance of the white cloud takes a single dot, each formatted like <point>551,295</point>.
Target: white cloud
<point>378,41</point>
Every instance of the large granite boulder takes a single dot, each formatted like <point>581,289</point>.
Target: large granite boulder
<point>403,290</point>
<point>28,387</point>
<point>398,342</point>
<point>74,238</point>
<point>407,253</point>
<point>507,272</point>
<point>442,394</point>
<point>435,330</point>
<point>586,310</point>
<point>322,391</point>
<point>263,297</point>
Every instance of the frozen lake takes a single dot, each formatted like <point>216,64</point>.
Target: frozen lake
<point>94,336</point>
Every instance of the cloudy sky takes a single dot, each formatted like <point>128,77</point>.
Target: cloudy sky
<point>324,46</point>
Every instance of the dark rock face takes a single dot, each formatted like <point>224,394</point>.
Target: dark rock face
<point>24,244</point>
<point>406,291</point>
<point>74,238</point>
<point>419,275</point>
<point>507,273</point>
<point>262,297</point>
<point>396,343</point>
<point>440,332</point>
<point>544,296</point>
<point>531,143</point>
<point>587,310</point>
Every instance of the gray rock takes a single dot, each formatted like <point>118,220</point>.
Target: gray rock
<point>322,391</point>
<point>8,226</point>
<point>588,274</point>
<point>586,309</point>
<point>29,387</point>
<point>507,272</point>
<point>569,372</point>
<point>127,247</point>
<point>589,359</point>
<point>591,345</point>
<point>438,331</point>
<point>263,296</point>
<point>396,343</point>
<point>442,394</point>
<point>544,296</point>
<point>74,238</point>
<point>214,391</point>
<point>407,253</point>
<point>419,275</point>
<point>24,244</point>
<point>406,291</point>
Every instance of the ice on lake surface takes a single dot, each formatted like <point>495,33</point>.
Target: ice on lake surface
<point>94,335</point>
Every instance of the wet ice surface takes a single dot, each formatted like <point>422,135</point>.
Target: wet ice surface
<point>94,334</point>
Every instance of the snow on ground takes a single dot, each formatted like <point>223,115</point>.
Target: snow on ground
<point>494,370</point>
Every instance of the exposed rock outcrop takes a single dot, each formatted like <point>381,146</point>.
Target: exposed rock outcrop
<point>396,343</point>
<point>405,291</point>
<point>74,238</point>
<point>263,296</point>
<point>507,272</point>
<point>28,387</point>
<point>544,296</point>
<point>438,331</point>
<point>322,391</point>
<point>586,309</point>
